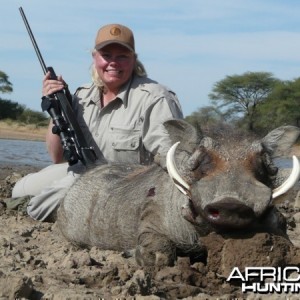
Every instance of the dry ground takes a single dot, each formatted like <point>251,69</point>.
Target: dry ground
<point>12,130</point>
<point>36,262</point>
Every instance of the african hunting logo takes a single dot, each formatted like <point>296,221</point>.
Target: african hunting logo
<point>266,280</point>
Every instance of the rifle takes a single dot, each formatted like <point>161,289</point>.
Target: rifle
<point>58,106</point>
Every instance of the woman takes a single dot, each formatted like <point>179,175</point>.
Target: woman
<point>121,114</point>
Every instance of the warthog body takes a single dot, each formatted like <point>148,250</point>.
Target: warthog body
<point>228,185</point>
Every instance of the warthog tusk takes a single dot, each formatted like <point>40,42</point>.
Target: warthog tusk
<point>290,182</point>
<point>173,171</point>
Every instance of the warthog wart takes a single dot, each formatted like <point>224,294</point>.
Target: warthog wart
<point>221,184</point>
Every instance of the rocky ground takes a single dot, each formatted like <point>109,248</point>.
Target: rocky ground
<point>37,263</point>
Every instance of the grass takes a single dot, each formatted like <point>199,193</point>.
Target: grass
<point>13,130</point>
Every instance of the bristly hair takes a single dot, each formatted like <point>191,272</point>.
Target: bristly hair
<point>222,132</point>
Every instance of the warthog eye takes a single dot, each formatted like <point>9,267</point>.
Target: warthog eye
<point>204,166</point>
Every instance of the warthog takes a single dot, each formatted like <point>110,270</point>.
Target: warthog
<point>225,183</point>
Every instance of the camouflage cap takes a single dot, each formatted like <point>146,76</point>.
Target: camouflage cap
<point>114,34</point>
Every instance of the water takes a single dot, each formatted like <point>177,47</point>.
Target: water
<point>23,153</point>
<point>34,153</point>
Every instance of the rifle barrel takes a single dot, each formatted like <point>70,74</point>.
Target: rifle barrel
<point>36,48</point>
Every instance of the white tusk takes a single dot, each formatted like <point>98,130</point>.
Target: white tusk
<point>290,182</point>
<point>173,171</point>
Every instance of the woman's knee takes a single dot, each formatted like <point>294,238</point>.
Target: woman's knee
<point>32,184</point>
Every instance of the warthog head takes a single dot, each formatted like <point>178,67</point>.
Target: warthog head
<point>228,178</point>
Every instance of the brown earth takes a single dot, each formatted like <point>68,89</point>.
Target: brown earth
<point>13,130</point>
<point>36,262</point>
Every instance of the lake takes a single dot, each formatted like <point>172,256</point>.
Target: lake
<point>34,153</point>
<point>23,152</point>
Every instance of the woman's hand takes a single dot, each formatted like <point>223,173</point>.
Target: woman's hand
<point>51,86</point>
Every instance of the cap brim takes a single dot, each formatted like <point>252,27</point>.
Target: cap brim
<point>103,44</point>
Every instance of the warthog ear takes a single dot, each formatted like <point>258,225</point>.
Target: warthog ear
<point>183,132</point>
<point>280,140</point>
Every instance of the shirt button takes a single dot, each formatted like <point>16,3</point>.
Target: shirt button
<point>113,144</point>
<point>132,145</point>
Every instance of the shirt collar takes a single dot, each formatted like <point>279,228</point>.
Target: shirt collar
<point>122,95</point>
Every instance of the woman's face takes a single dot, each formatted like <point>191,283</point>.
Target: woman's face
<point>114,64</point>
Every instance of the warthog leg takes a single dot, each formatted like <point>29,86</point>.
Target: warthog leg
<point>152,247</point>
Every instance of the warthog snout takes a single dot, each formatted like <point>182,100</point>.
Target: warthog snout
<point>229,213</point>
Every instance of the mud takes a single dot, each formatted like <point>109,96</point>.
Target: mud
<point>36,262</point>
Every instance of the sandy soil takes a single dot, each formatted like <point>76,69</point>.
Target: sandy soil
<point>17,132</point>
<point>36,262</point>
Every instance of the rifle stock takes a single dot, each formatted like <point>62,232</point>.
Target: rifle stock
<point>58,105</point>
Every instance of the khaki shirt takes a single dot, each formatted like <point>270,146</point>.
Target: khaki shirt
<point>130,128</point>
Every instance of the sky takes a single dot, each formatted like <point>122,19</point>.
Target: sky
<point>186,45</point>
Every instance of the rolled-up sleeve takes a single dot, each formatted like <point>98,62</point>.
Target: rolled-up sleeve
<point>155,137</point>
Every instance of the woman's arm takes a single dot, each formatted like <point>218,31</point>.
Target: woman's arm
<point>155,136</point>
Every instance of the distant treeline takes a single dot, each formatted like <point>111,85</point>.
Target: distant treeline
<point>15,111</point>
<point>255,102</point>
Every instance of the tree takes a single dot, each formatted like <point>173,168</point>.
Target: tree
<point>5,84</point>
<point>205,117</point>
<point>29,116</point>
<point>15,111</point>
<point>10,110</point>
<point>282,107</point>
<point>242,94</point>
